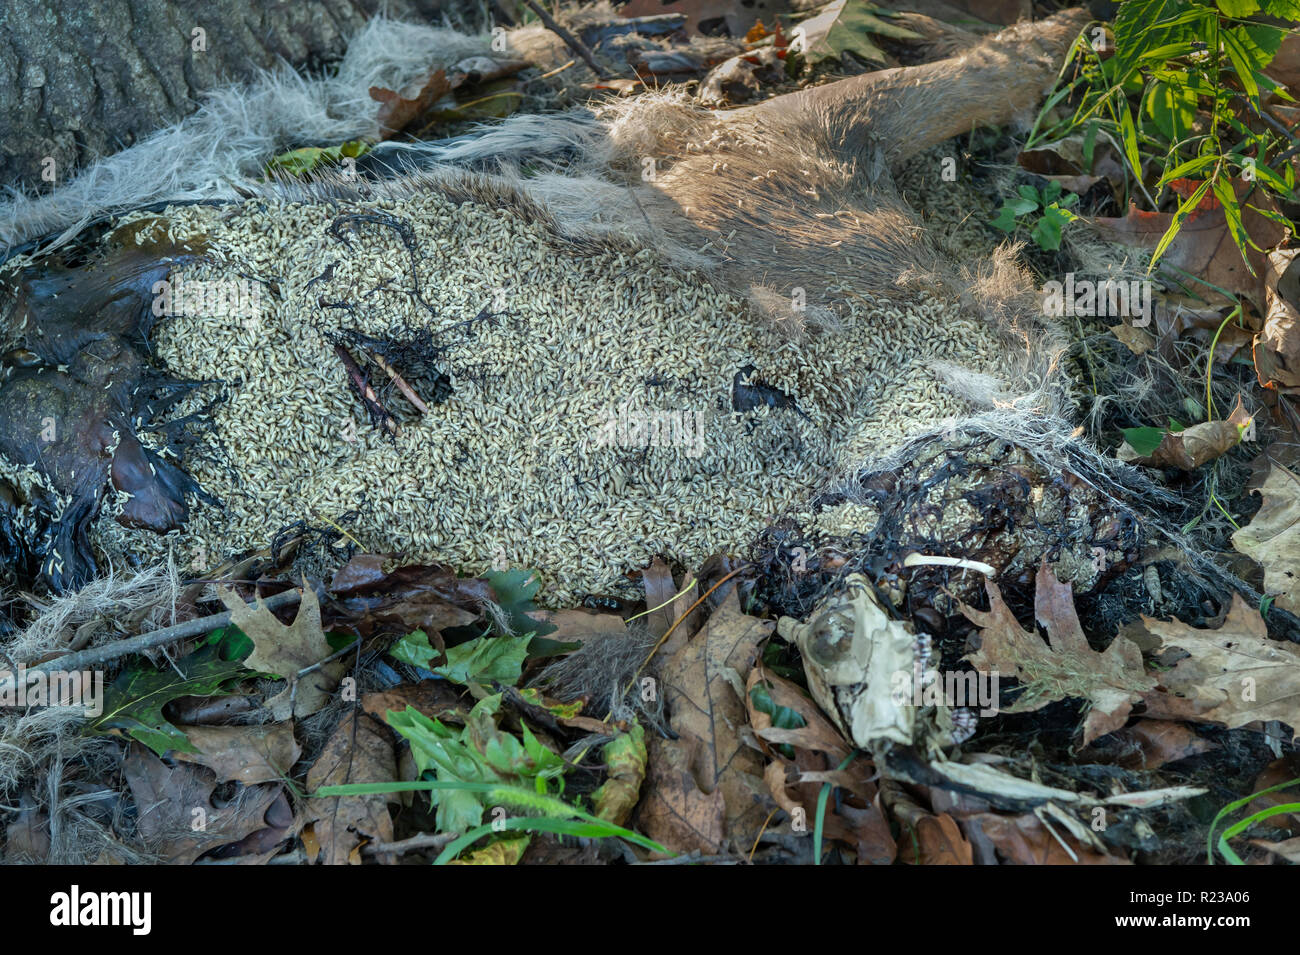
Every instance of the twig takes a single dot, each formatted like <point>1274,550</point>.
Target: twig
<point>425,840</point>
<point>400,382</point>
<point>156,638</point>
<point>557,70</point>
<point>571,41</point>
<point>374,407</point>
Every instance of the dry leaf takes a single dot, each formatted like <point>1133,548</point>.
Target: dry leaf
<point>1277,348</point>
<point>659,591</point>
<point>1024,840</point>
<point>675,811</point>
<point>342,824</point>
<point>1204,246</point>
<point>1135,339</point>
<point>1234,676</point>
<point>396,111</point>
<point>703,690</point>
<point>1111,681</point>
<point>286,651</point>
<point>1272,538</point>
<point>175,814</point>
<point>1288,849</point>
<point>1190,448</point>
<point>940,842</point>
<point>428,597</point>
<point>578,626</point>
<point>1149,744</point>
<point>817,734</point>
<point>244,754</point>
<point>436,699</point>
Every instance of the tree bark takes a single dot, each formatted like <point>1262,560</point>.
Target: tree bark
<point>80,79</point>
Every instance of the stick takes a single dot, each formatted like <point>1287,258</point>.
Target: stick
<point>375,407</point>
<point>571,41</point>
<point>155,638</point>
<point>400,382</point>
<point>424,840</point>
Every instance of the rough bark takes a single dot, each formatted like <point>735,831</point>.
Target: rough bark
<point>83,78</point>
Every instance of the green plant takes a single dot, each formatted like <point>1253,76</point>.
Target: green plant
<point>1180,95</point>
<point>1049,212</point>
<point>1241,826</point>
<point>560,817</point>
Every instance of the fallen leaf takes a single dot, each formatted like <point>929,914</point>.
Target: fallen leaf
<point>1024,840</point>
<point>1063,161</point>
<point>1203,247</point>
<point>1111,681</point>
<point>1277,347</point>
<point>844,27</point>
<point>301,162</point>
<point>817,733</point>
<point>244,754</point>
<point>501,852</point>
<point>428,597</point>
<point>625,766</point>
<point>1234,675</point>
<point>342,824</point>
<point>675,811</point>
<point>174,810</point>
<point>1272,538</point>
<point>397,110</point>
<point>259,846</point>
<point>1188,449</point>
<point>1288,849</point>
<point>578,626</point>
<point>657,580</point>
<point>704,692</point>
<point>436,699</point>
<point>134,701</point>
<point>940,842</point>
<point>1149,744</point>
<point>288,650</point>
<point>1135,339</point>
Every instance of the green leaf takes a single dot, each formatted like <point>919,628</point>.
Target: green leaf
<point>477,753</point>
<point>414,649</point>
<point>564,710</point>
<point>1242,53</point>
<point>625,762</point>
<point>1237,8</point>
<point>300,162</point>
<point>1183,170</point>
<point>1172,106</point>
<point>783,717</point>
<point>133,703</point>
<point>486,659</point>
<point>1047,230</point>
<point>515,590</point>
<point>1283,9</point>
<point>1128,138</point>
<point>1143,440</point>
<point>1185,209</point>
<point>1227,197</point>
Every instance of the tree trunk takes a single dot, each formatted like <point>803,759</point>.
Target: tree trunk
<point>79,80</point>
